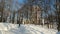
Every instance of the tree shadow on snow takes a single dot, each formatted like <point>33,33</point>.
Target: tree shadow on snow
<point>35,31</point>
<point>20,30</point>
<point>58,33</point>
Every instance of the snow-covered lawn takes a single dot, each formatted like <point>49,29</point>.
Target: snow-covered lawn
<point>8,28</point>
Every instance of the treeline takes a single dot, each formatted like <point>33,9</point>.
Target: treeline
<point>39,12</point>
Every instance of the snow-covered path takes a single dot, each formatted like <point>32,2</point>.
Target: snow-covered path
<point>39,30</point>
<point>25,29</point>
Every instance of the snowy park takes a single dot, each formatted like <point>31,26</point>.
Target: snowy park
<point>9,28</point>
<point>29,16</point>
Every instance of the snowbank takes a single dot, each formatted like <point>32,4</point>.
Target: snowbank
<point>8,28</point>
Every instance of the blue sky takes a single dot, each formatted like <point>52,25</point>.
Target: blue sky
<point>21,1</point>
<point>46,1</point>
<point>16,6</point>
<point>51,4</point>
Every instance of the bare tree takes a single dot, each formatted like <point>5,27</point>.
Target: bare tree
<point>58,13</point>
<point>1,9</point>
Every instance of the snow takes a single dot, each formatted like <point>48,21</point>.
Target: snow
<point>8,28</point>
<point>58,32</point>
